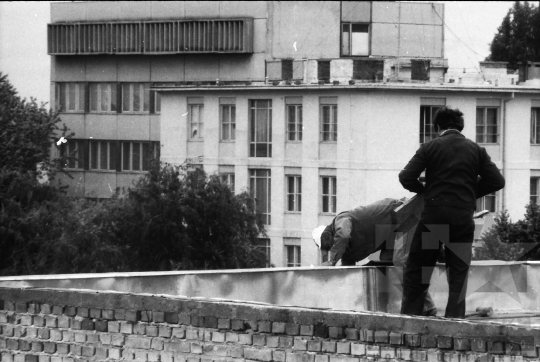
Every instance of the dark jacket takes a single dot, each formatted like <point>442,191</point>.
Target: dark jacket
<point>452,164</point>
<point>362,231</point>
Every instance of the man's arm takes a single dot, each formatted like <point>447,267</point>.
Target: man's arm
<point>341,239</point>
<point>491,179</point>
<point>410,174</point>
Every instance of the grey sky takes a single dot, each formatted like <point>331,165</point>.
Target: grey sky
<point>23,40</point>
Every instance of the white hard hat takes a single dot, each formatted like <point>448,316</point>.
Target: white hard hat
<point>316,234</point>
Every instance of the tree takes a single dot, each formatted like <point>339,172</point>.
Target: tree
<point>508,240</point>
<point>518,37</point>
<point>173,219</point>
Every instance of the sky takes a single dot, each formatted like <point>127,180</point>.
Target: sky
<point>470,27</point>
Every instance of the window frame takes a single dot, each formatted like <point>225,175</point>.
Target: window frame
<point>296,255</point>
<point>535,125</point>
<point>228,178</point>
<point>481,203</point>
<point>254,149</point>
<point>298,122</point>
<point>332,186</point>
<point>153,148</point>
<point>77,163</point>
<point>534,197</point>
<point>113,102</point>
<point>143,94</point>
<point>80,97</point>
<point>266,245</point>
<point>296,193</point>
<point>111,155</point>
<point>231,123</point>
<point>199,122</point>
<point>423,134</point>
<point>485,126</point>
<point>254,175</point>
<point>332,124</point>
<point>349,38</point>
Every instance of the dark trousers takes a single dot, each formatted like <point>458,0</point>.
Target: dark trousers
<point>455,228</point>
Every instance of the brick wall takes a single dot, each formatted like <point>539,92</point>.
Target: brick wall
<point>80,325</point>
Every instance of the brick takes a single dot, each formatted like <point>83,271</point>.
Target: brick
<point>224,323</point>
<point>44,358</point>
<point>3,317</point>
<point>101,325</point>
<point>75,349</point>
<point>192,333</point>
<point>57,309</point>
<point>321,358</point>
<point>56,335</point>
<point>382,336</point>
<point>278,327</point>
<point>31,332</point>
<point>37,346</point>
<point>138,342</point>
<point>34,308</point>
<point>272,341</point>
<point>67,336</point>
<point>9,306</point>
<point>8,331</point>
<point>153,356</point>
<point>114,353</point>
<point>286,342</point>
<point>329,346</point>
<point>39,321</point>
<point>196,321</point>
<point>19,332</point>
<point>374,351</point>
<point>237,325</point>
<point>126,327</point>
<point>218,337</point>
<point>418,355</point>
<point>162,331</point>
<point>513,349</point>
<point>529,351</point>
<point>26,320</point>
<point>452,357</point>
<point>79,337</point>
<point>83,312</point>
<point>210,322</point>
<point>70,311</point>
<point>51,321</point>
<point>292,329</point>
<point>265,326</point>
<point>171,317</point>
<point>133,315</point>
<point>179,332</point>
<point>388,352</point>
<point>62,348</point>
<point>369,336</point>
<point>141,355</point>
<point>113,327</point>
<point>44,333</point>
<point>183,318</point>
<point>87,324</point>
<point>343,347</point>
<point>100,353</point>
<point>404,353</point>
<point>88,351</point>
<point>31,358</point>
<point>412,340</point>
<point>25,345</point>
<point>196,348</point>
<point>45,309</point>
<point>231,337</point>
<point>496,347</point>
<point>120,314</point>
<point>118,339</point>
<point>351,334</point>
<point>176,346</point>
<point>259,340</point>
<point>13,318</point>
<point>483,358</point>
<point>6,357</point>
<point>343,359</point>
<point>157,344</point>
<point>434,355</point>
<point>256,354</point>
<point>396,338</point>
<point>251,325</point>
<point>478,345</point>
<point>75,324</point>
<point>279,356</point>
<point>63,322</point>
<point>245,339</point>
<point>358,349</point>
<point>335,332</point>
<point>12,344</point>
<point>314,346</point>
<point>428,341</point>
<point>300,344</point>
<point>3,344</point>
<point>21,307</point>
<point>139,328</point>
<point>207,335</point>
<point>158,317</point>
<point>215,350</point>
<point>92,338</point>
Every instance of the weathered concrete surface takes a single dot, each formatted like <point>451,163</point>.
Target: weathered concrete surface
<point>506,287</point>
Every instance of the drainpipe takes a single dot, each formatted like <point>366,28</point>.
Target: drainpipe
<point>503,147</point>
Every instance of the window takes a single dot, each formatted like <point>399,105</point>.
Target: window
<point>487,202</point>
<point>137,156</point>
<point>102,155</point>
<point>228,179</point>
<point>294,193</point>
<point>196,125</point>
<point>73,151</point>
<point>535,126</point>
<point>260,128</point>
<point>136,97</point>
<point>355,39</point>
<point>427,130</point>
<point>328,122</point>
<point>102,97</point>
<point>329,198</point>
<point>534,190</point>
<point>293,253</point>
<point>70,97</point>
<point>264,246</point>
<point>487,124</point>
<point>294,122</point>
<point>259,186</point>
<point>228,122</point>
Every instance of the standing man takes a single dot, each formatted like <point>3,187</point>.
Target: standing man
<point>458,171</point>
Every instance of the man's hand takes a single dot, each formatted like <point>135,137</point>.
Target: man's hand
<point>327,263</point>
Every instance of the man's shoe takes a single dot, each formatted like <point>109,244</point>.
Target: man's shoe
<point>430,313</point>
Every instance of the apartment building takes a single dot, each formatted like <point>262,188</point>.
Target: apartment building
<point>314,107</point>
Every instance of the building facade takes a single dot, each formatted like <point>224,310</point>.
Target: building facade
<point>312,107</point>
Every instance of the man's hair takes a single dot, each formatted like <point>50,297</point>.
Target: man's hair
<point>447,118</point>
<point>327,238</point>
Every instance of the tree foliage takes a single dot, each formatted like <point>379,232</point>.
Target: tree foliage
<point>507,240</point>
<point>518,37</point>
